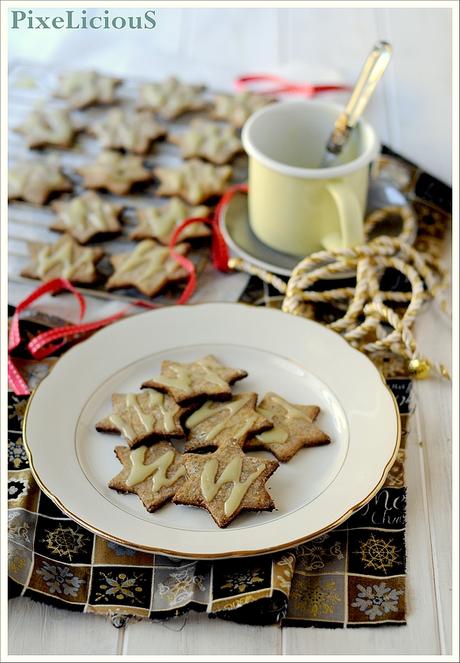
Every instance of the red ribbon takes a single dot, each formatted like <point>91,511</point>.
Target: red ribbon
<point>219,251</point>
<point>278,85</point>
<point>45,343</point>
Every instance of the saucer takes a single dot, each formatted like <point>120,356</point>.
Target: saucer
<point>234,225</point>
<point>237,232</point>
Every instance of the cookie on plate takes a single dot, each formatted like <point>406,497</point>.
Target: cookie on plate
<point>87,217</point>
<point>195,181</point>
<point>171,98</point>
<point>293,428</point>
<point>143,416</point>
<point>226,482</point>
<point>204,378</point>
<point>36,181</point>
<point>160,222</point>
<point>86,88</point>
<point>149,268</point>
<point>52,127</point>
<point>64,259</point>
<point>237,108</point>
<point>214,423</point>
<point>153,473</point>
<point>214,142</point>
<point>115,172</point>
<point>132,132</point>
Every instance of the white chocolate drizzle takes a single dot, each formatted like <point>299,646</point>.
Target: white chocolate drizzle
<point>158,468</point>
<point>155,400</point>
<point>151,259</point>
<point>184,375</point>
<point>232,473</point>
<point>278,434</point>
<point>48,257</point>
<point>209,409</point>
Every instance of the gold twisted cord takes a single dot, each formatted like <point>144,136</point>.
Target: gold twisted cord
<point>368,323</point>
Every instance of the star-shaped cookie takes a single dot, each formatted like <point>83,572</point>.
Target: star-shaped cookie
<point>133,132</point>
<point>48,128</point>
<point>153,473</point>
<point>195,181</point>
<point>115,172</point>
<point>206,377</point>
<point>86,88</point>
<point>208,140</point>
<point>171,98</point>
<point>226,482</point>
<point>149,268</point>
<point>143,416</point>
<point>36,181</point>
<point>237,108</point>
<point>215,423</point>
<point>160,222</point>
<point>86,217</point>
<point>293,428</point>
<point>65,259</point>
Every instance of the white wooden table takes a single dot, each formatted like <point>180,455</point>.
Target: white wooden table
<point>38,629</point>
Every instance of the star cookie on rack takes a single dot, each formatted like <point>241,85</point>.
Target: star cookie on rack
<point>208,140</point>
<point>115,172</point>
<point>86,217</point>
<point>36,181</point>
<point>195,181</point>
<point>160,222</point>
<point>293,428</point>
<point>237,108</point>
<point>48,128</point>
<point>226,482</point>
<point>171,98</point>
<point>206,377</point>
<point>86,88</point>
<point>64,259</point>
<point>144,416</point>
<point>214,423</point>
<point>149,268</point>
<point>153,473</point>
<point>133,132</point>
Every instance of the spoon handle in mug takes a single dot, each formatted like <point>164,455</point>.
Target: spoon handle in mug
<point>370,75</point>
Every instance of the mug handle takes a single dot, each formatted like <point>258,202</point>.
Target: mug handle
<point>350,218</point>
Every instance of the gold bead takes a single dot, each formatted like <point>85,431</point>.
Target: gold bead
<point>420,368</point>
<point>234,263</point>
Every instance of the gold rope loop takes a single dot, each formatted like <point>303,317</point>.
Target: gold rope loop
<point>369,322</point>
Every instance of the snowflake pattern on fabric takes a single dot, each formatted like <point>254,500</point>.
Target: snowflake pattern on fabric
<point>17,488</point>
<point>180,586</point>
<point>60,579</point>
<point>377,600</point>
<point>17,455</point>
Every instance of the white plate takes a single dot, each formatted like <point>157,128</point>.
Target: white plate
<point>300,359</point>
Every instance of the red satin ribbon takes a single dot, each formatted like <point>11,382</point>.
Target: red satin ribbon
<point>271,84</point>
<point>219,251</point>
<point>44,344</point>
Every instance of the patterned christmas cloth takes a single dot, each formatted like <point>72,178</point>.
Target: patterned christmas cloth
<point>352,576</point>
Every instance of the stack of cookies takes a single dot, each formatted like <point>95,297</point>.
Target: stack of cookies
<point>127,136</point>
<point>194,403</point>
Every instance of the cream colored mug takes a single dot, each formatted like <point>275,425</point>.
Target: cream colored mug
<point>294,206</point>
